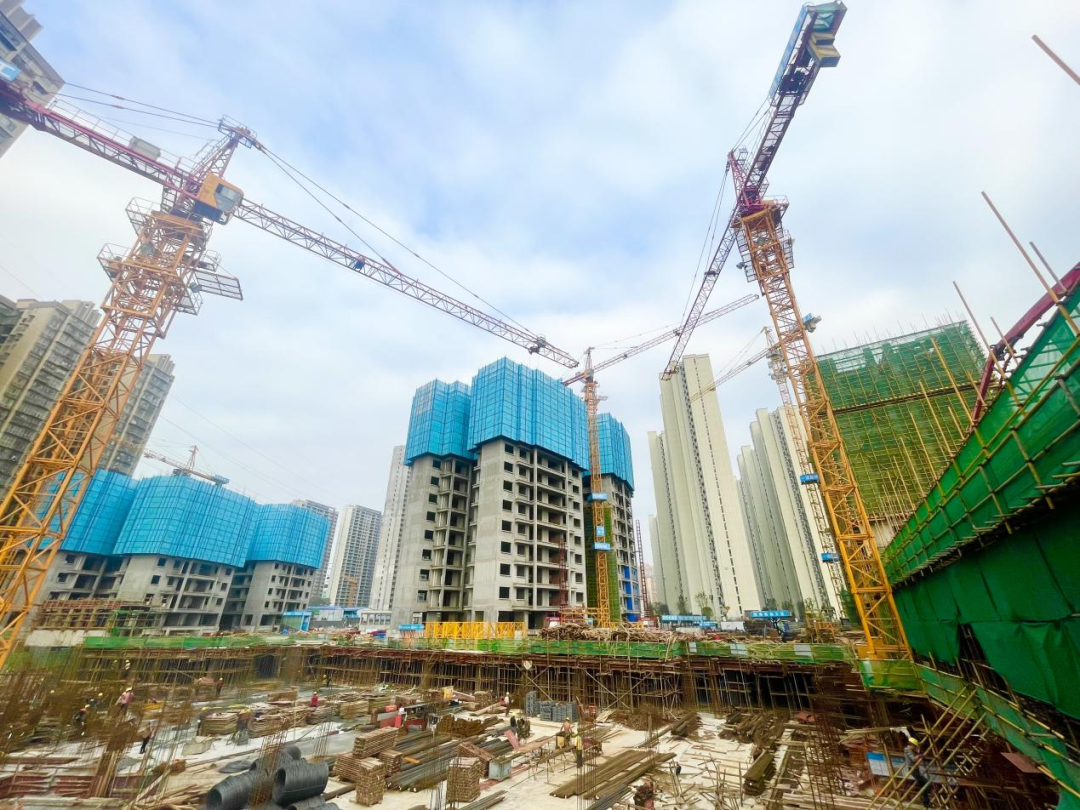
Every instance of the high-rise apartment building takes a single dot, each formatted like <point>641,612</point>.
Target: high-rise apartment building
<point>494,525</point>
<point>780,520</point>
<point>393,522</point>
<point>705,556</point>
<point>202,556</point>
<point>322,574</point>
<point>21,63</point>
<point>40,343</point>
<point>140,414</point>
<point>352,565</point>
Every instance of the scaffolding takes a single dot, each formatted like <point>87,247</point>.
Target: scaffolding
<point>903,405</point>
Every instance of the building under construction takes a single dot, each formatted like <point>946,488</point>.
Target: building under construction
<point>953,686</point>
<point>903,405</point>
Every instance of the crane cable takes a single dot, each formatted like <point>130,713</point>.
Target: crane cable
<point>388,235</point>
<point>708,243</point>
<point>194,118</point>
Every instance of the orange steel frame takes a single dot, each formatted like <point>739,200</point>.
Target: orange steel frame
<point>596,487</point>
<point>149,284</point>
<point>763,243</point>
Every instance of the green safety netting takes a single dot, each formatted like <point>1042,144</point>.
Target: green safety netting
<point>184,642</point>
<point>1021,599</point>
<point>1005,719</point>
<point>1027,442</point>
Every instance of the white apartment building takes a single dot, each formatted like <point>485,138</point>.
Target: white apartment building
<point>780,521</point>
<point>393,522</point>
<point>352,563</point>
<point>704,552</point>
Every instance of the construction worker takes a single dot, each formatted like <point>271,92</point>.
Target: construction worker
<point>314,700</point>
<point>916,767</point>
<point>218,686</point>
<point>124,701</point>
<point>148,734</point>
<point>506,703</point>
<point>81,716</point>
<point>96,702</point>
<point>578,743</point>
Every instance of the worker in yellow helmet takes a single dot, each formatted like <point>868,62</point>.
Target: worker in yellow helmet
<point>915,764</point>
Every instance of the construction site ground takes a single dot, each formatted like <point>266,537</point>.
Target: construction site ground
<point>530,785</point>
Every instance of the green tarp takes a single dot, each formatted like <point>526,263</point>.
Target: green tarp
<point>1019,596</point>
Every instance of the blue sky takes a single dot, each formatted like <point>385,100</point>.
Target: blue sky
<point>561,159</point>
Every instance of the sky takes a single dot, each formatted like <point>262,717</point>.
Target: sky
<point>562,160</point>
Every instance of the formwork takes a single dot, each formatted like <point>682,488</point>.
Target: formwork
<point>903,405</point>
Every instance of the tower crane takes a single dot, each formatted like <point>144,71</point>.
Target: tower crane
<point>597,498</point>
<point>187,468</point>
<point>766,253</point>
<point>166,271</point>
<point>769,351</point>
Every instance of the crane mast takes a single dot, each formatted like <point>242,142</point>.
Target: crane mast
<point>598,507</point>
<point>164,273</point>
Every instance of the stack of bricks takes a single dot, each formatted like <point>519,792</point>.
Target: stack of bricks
<point>370,782</point>
<point>463,780</point>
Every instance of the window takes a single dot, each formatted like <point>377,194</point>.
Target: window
<point>425,575</point>
<point>504,548</point>
<point>433,498</point>
<point>69,558</point>
<point>506,525</point>
<point>508,486</point>
<point>578,578</point>
<point>425,554</point>
<point>434,480</point>
<point>577,559</point>
<point>436,464</point>
<point>421,596</point>
<point>508,466</point>
<point>161,562</point>
<point>509,448</point>
<point>504,593</point>
<point>430,516</point>
<point>155,579</point>
<point>507,505</point>
<point>504,570</point>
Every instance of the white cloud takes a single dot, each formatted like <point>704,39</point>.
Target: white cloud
<point>561,163</point>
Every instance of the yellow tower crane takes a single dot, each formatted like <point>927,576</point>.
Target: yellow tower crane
<point>166,271</point>
<point>598,508</point>
<point>766,251</point>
